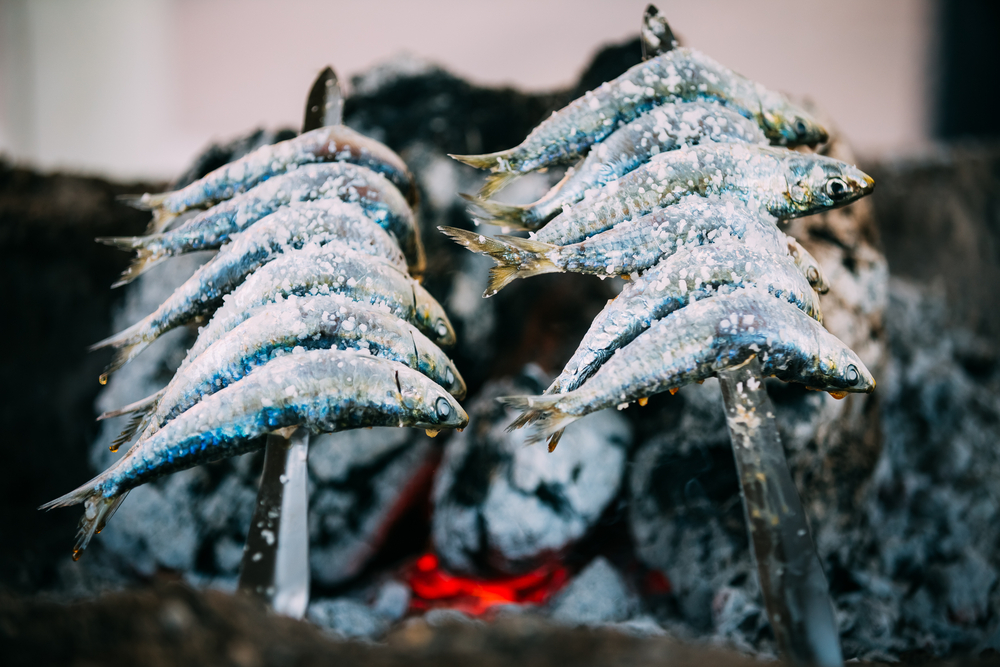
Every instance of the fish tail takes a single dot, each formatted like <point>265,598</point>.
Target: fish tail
<point>97,509</point>
<point>497,182</point>
<point>543,414</point>
<point>515,257</point>
<point>495,162</point>
<point>144,202</point>
<point>142,406</point>
<point>128,344</point>
<point>149,253</point>
<point>161,219</point>
<point>137,422</point>
<point>504,215</point>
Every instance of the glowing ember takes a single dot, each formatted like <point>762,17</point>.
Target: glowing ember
<point>433,587</point>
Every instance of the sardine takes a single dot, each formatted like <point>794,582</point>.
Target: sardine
<point>324,270</point>
<point>657,131</point>
<point>314,270</point>
<point>632,246</point>
<point>679,75</point>
<point>321,390</point>
<point>785,183</point>
<point>690,275</point>
<point>693,344</point>
<point>320,322</point>
<point>336,143</point>
<point>210,229</point>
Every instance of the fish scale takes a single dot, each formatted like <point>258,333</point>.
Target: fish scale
<point>329,270</point>
<point>678,75</point>
<point>784,183</point>
<point>348,182</point>
<point>693,344</point>
<point>688,276</point>
<point>335,143</point>
<point>309,323</point>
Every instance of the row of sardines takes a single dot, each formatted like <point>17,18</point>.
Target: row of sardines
<point>681,175</point>
<point>314,316</point>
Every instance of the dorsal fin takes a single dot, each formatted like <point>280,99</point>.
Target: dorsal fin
<point>655,35</point>
<point>325,104</point>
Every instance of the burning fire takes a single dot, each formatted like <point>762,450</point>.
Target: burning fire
<point>434,587</point>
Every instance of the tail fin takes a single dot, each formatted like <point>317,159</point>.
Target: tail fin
<point>505,215</point>
<point>543,413</point>
<point>97,510</point>
<point>148,254</point>
<point>154,203</point>
<point>137,422</point>
<point>129,343</point>
<point>497,182</point>
<point>515,257</point>
<point>142,406</point>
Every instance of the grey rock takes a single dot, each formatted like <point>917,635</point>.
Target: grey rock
<point>392,600</point>
<point>503,506</point>
<point>347,619</point>
<point>596,596</point>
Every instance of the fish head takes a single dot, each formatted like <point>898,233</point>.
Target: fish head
<point>788,124</point>
<point>431,318</point>
<point>429,404</point>
<point>840,369</point>
<point>818,183</point>
<point>808,265</point>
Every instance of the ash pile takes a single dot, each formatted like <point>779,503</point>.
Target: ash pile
<point>634,522</point>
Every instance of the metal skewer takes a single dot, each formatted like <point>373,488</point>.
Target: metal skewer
<point>796,593</point>
<point>275,564</point>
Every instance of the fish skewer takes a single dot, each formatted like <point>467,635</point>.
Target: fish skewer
<point>320,322</point>
<point>337,180</point>
<point>321,390</point>
<point>784,183</point>
<point>679,75</point>
<point>693,344</point>
<point>635,245</point>
<point>288,228</point>
<point>328,269</point>
<point>659,130</point>
<point>692,274</point>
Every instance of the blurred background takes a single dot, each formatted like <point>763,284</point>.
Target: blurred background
<point>134,89</point>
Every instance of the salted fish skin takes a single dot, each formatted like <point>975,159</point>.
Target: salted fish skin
<point>784,183</point>
<point>681,74</point>
<point>693,344</point>
<point>326,270</point>
<point>292,327</point>
<point>656,131</point>
<point>334,143</point>
<point>333,180</point>
<point>321,390</point>
<point>692,274</point>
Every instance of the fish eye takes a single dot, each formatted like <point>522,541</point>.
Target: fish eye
<point>443,408</point>
<point>837,189</point>
<point>812,275</point>
<point>852,376</point>
<point>800,127</point>
<point>440,328</point>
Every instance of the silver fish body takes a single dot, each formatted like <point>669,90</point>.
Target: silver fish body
<point>693,344</point>
<point>691,274</point>
<point>335,143</point>
<point>323,270</point>
<point>635,245</point>
<point>659,130</point>
<point>678,75</point>
<point>344,181</point>
<point>785,183</point>
<point>321,390</point>
<point>321,322</point>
